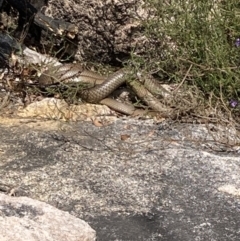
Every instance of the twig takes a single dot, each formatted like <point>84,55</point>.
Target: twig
<point>184,78</point>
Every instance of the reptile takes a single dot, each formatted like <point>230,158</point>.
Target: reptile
<point>145,87</point>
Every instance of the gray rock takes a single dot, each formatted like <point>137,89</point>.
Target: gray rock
<point>132,180</point>
<point>22,218</point>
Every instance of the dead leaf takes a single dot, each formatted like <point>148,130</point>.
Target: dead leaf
<point>97,122</point>
<point>125,137</point>
<point>25,72</point>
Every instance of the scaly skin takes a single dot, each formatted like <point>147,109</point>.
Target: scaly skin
<point>145,88</point>
<point>101,91</point>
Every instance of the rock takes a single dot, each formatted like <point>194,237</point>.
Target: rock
<point>57,109</point>
<point>166,181</point>
<point>108,30</point>
<point>22,218</point>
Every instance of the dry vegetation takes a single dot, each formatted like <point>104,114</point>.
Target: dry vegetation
<point>193,45</point>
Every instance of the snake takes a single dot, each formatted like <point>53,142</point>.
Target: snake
<point>147,88</point>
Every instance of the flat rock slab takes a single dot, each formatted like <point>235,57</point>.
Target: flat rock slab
<point>131,180</point>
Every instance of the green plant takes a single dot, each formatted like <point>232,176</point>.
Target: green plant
<point>199,37</point>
